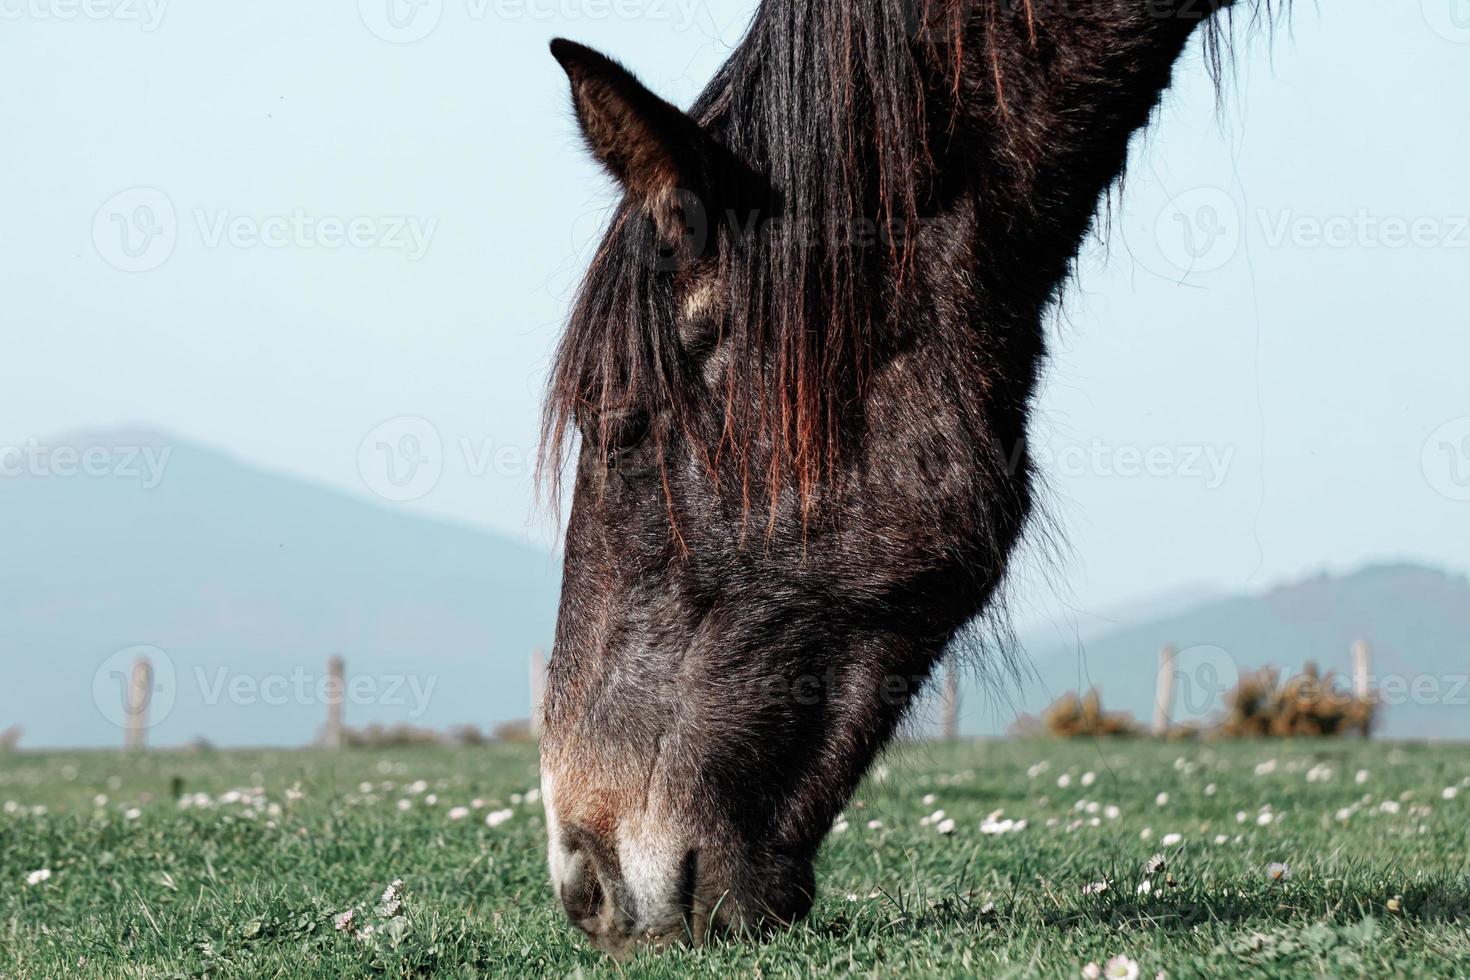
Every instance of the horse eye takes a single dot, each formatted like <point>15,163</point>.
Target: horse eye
<point>625,433</point>
<point>627,430</point>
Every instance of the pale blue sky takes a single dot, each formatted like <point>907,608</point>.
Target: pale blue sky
<point>1290,396</point>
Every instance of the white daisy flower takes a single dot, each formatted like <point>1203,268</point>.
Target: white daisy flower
<point>346,922</point>
<point>1449,792</point>
<point>1278,871</point>
<point>1169,840</point>
<point>36,877</point>
<point>1155,864</point>
<point>1091,972</point>
<point>1121,968</point>
<point>875,825</point>
<point>1095,887</point>
<point>458,812</point>
<point>1088,778</point>
<point>1161,800</point>
<point>497,817</point>
<point>946,826</point>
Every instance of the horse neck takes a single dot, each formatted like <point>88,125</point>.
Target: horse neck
<point>1045,104</point>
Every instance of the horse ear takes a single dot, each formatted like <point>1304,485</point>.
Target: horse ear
<point>656,151</point>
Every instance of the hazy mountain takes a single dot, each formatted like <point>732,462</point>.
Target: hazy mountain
<point>247,581</point>
<point>1417,621</point>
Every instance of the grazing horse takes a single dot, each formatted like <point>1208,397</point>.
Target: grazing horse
<point>797,377</point>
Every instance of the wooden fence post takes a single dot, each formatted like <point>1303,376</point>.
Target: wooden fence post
<point>1362,661</point>
<point>949,703</point>
<point>538,689</point>
<point>140,692</point>
<point>1164,691</point>
<point>336,693</point>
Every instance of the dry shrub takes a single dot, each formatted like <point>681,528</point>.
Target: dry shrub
<point>377,736</point>
<point>1307,705</point>
<point>1071,716</point>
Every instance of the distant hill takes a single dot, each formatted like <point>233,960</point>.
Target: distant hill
<point>249,578</point>
<point>1416,619</point>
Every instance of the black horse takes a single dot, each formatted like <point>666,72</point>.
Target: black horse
<point>801,367</point>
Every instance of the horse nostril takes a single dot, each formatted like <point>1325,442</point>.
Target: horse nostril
<point>591,891</point>
<point>581,892</point>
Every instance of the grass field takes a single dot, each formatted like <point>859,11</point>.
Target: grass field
<point>247,871</point>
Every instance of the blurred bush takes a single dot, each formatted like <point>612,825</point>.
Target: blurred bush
<point>1310,704</point>
<point>1071,716</point>
<point>406,736</point>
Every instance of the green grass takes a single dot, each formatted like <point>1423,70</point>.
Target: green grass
<point>141,887</point>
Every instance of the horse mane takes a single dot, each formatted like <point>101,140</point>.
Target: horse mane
<point>833,102</point>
